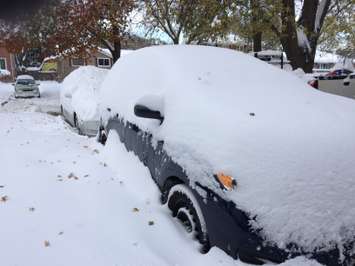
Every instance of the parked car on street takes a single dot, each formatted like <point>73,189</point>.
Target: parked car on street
<point>336,82</point>
<point>26,86</point>
<point>78,98</point>
<point>262,168</point>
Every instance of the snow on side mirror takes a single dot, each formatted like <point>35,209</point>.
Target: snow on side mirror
<point>150,106</point>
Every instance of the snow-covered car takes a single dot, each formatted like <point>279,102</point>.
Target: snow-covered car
<point>26,86</point>
<point>78,98</point>
<point>262,168</point>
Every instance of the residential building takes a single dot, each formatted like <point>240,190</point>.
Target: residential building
<point>7,64</point>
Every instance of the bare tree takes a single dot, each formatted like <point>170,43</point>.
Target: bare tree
<point>191,21</point>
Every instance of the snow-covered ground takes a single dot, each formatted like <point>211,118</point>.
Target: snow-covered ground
<point>66,200</point>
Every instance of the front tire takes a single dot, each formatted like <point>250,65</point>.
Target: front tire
<point>102,137</point>
<point>75,120</point>
<point>186,209</point>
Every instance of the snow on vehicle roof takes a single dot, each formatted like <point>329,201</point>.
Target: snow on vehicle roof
<point>83,84</point>
<point>21,77</point>
<point>290,148</point>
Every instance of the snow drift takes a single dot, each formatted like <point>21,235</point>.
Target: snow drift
<point>291,148</point>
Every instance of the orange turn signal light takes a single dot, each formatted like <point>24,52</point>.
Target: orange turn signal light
<point>227,181</point>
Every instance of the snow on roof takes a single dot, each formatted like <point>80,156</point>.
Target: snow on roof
<point>269,52</point>
<point>24,77</point>
<point>346,63</point>
<point>290,148</point>
<point>324,57</point>
<point>52,57</point>
<point>107,52</point>
<point>272,53</point>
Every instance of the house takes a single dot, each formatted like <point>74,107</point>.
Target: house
<point>64,65</point>
<point>7,64</point>
<point>273,57</point>
<point>58,67</point>
<point>324,62</point>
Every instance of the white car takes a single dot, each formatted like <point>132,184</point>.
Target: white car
<point>26,86</point>
<point>339,82</point>
<point>78,98</point>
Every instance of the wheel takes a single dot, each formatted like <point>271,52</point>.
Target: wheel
<point>75,120</point>
<point>186,209</point>
<point>102,137</point>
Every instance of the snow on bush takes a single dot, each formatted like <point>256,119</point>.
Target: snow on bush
<point>5,91</point>
<point>83,84</point>
<point>302,75</point>
<point>4,72</point>
<point>290,148</point>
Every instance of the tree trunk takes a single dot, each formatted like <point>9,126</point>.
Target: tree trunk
<point>116,53</point>
<point>176,40</point>
<point>300,54</point>
<point>256,19</point>
<point>257,38</point>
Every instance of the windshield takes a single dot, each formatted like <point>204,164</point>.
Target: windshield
<point>26,82</point>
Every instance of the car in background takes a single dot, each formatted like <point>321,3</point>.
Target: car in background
<point>261,170</point>
<point>336,82</point>
<point>78,98</point>
<point>350,81</point>
<point>26,86</point>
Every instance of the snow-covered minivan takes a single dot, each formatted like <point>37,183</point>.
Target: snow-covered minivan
<point>246,156</point>
<point>79,98</point>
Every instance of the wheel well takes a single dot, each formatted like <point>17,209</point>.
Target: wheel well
<point>168,184</point>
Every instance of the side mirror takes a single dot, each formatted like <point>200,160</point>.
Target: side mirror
<point>346,81</point>
<point>38,83</point>
<point>144,112</point>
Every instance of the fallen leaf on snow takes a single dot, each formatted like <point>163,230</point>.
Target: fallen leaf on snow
<point>4,198</point>
<point>72,175</point>
<point>135,210</point>
<point>151,223</point>
<point>46,243</point>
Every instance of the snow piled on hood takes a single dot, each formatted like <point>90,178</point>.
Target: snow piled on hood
<point>83,84</point>
<point>290,148</point>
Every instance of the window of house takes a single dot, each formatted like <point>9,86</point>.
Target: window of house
<point>2,63</point>
<point>103,62</point>
<point>77,62</point>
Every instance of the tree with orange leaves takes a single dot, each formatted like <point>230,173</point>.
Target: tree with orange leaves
<point>86,24</point>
